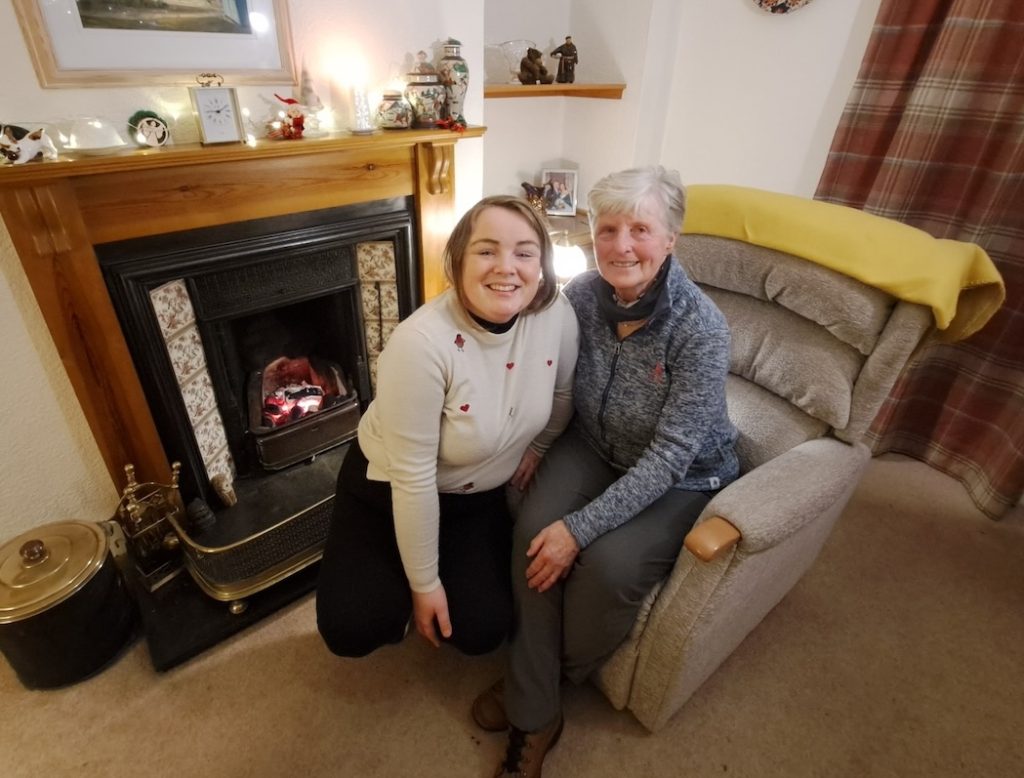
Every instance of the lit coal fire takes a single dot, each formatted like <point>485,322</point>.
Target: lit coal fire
<point>295,388</point>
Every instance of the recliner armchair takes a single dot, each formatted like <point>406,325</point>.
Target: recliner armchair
<point>815,352</point>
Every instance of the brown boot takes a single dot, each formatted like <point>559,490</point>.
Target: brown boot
<point>489,708</point>
<point>526,750</point>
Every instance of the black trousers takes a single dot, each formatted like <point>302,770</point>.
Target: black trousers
<point>363,600</point>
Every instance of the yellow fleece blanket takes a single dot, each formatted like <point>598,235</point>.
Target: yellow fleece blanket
<point>957,280</point>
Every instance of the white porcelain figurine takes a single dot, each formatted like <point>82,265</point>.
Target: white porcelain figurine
<point>18,145</point>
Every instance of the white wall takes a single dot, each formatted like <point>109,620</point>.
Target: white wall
<point>757,96</point>
<point>524,135</point>
<point>716,88</point>
<point>50,467</point>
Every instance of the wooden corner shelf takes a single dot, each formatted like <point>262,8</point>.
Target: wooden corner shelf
<point>600,91</point>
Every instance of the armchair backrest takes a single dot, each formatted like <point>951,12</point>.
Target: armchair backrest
<point>814,352</point>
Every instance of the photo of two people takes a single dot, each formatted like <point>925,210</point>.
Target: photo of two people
<point>559,188</point>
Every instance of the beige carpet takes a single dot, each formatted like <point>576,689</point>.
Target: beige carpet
<point>901,653</point>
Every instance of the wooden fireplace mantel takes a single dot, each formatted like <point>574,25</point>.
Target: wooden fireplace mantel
<point>57,211</point>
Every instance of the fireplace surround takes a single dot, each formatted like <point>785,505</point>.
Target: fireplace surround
<point>58,211</point>
<point>62,214</point>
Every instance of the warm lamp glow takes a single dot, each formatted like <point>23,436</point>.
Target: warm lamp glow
<point>569,260</point>
<point>349,69</point>
<point>325,119</point>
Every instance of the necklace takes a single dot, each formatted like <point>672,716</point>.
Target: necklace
<point>626,328</point>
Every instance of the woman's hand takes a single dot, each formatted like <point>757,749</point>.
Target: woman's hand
<point>428,606</point>
<point>553,551</point>
<point>527,467</point>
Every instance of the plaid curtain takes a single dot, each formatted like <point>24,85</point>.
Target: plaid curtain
<point>933,136</point>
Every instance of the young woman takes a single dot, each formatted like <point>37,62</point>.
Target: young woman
<point>472,389</point>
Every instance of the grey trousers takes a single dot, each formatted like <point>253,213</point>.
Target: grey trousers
<point>577,623</point>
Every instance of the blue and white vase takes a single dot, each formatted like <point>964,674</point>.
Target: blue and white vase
<point>454,74</point>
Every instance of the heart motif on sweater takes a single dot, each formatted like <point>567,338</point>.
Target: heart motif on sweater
<point>549,363</point>
<point>510,365</point>
<point>464,408</point>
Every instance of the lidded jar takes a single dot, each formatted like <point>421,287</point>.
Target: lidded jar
<point>425,93</point>
<point>394,111</point>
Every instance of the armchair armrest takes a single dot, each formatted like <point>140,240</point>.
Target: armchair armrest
<point>775,500</point>
<point>711,539</point>
<point>766,529</point>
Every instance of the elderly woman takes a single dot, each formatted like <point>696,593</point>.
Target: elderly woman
<point>617,493</point>
<point>472,388</point>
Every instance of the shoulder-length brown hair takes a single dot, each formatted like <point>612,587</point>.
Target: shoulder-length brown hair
<point>458,243</point>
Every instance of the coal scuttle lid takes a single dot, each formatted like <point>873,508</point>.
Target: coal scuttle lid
<point>46,565</point>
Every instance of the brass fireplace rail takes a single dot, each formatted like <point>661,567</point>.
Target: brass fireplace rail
<point>153,518</point>
<point>215,569</point>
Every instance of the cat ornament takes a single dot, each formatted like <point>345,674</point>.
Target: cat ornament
<point>18,145</point>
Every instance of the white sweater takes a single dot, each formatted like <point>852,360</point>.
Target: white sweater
<point>456,408</point>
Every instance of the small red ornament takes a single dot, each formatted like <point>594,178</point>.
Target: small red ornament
<point>451,124</point>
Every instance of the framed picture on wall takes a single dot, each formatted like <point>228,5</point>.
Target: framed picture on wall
<point>74,43</point>
<point>559,191</point>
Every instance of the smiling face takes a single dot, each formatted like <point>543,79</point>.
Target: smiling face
<point>630,248</point>
<point>501,267</point>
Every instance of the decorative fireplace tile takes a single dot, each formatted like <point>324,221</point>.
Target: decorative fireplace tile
<point>211,437</point>
<point>376,261</point>
<point>186,352</point>
<point>177,319</point>
<point>375,340</point>
<point>197,392</point>
<point>380,300</point>
<point>173,307</point>
<point>375,337</point>
<point>379,291</point>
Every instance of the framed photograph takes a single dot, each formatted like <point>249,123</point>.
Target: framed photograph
<point>559,188</point>
<point>79,43</point>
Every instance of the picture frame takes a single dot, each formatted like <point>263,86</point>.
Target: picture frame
<point>67,53</point>
<point>559,187</point>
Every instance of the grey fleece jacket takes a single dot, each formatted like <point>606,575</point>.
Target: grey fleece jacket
<point>652,405</point>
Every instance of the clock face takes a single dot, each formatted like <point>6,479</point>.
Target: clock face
<point>217,111</point>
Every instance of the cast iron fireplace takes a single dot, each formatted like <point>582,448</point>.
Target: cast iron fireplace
<point>241,298</point>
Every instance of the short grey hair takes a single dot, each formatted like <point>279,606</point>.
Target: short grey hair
<point>628,190</point>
